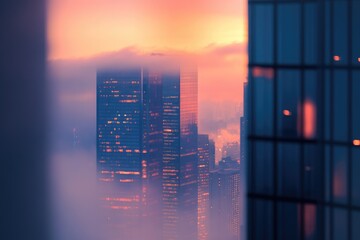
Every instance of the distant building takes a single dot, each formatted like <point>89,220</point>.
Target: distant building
<point>212,152</point>
<point>228,163</point>
<point>180,158</point>
<point>203,186</point>
<point>232,149</point>
<point>224,204</point>
<point>129,151</point>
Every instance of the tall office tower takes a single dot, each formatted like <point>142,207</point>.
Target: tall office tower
<point>203,186</point>
<point>180,155</point>
<point>212,164</point>
<point>224,204</point>
<point>232,149</point>
<point>243,163</point>
<point>304,130</point>
<point>129,151</point>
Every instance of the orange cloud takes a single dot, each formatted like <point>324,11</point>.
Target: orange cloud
<point>78,28</point>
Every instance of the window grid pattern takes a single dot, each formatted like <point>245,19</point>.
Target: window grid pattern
<point>303,152</point>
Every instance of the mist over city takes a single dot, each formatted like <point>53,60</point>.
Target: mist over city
<point>180,120</point>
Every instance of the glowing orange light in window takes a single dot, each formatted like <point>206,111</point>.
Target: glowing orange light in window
<point>286,112</point>
<point>356,142</point>
<point>309,119</point>
<point>310,219</point>
<point>263,72</point>
<point>337,58</point>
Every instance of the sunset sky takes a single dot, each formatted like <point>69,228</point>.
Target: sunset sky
<point>79,28</point>
<point>79,31</point>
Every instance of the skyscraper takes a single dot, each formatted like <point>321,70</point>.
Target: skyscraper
<point>304,131</point>
<point>212,164</point>
<point>203,186</point>
<point>243,164</point>
<point>180,171</point>
<point>232,149</point>
<point>224,204</point>
<point>129,151</point>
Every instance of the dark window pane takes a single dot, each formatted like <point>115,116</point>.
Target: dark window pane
<point>288,23</point>
<point>263,225</point>
<point>341,103</point>
<point>288,103</point>
<point>289,221</point>
<point>340,173</point>
<point>356,225</point>
<point>340,32</point>
<point>263,168</point>
<point>327,103</point>
<point>261,33</point>
<point>327,223</point>
<point>356,176</point>
<point>289,169</point>
<point>328,173</point>
<point>340,224</point>
<point>356,105</point>
<point>355,32</point>
<point>328,57</point>
<point>312,172</point>
<point>310,44</point>
<point>263,101</point>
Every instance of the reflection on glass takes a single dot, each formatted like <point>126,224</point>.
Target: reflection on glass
<point>288,103</point>
<point>310,220</point>
<point>263,103</point>
<point>340,173</point>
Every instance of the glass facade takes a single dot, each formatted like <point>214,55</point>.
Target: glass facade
<point>224,204</point>
<point>303,128</point>
<point>129,150</point>
<point>180,168</point>
<point>203,186</point>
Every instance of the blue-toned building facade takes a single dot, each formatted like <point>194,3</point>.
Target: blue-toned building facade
<point>304,120</point>
<point>129,151</point>
<point>180,169</point>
